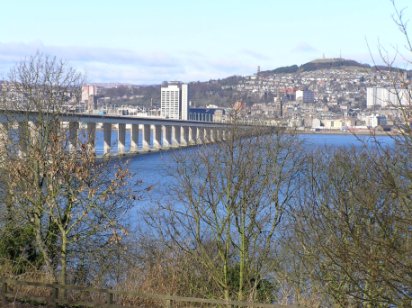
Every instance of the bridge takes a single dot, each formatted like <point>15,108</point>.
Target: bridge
<point>146,134</point>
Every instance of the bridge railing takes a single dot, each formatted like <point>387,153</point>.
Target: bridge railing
<point>54,295</point>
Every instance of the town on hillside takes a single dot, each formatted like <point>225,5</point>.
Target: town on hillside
<point>322,95</point>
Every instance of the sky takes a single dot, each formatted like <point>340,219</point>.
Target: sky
<point>150,41</point>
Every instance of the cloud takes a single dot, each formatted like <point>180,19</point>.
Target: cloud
<point>254,55</point>
<point>101,64</point>
<point>304,47</point>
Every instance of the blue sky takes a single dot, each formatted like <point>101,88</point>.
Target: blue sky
<point>149,41</point>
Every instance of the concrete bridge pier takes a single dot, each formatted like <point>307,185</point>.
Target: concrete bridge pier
<point>107,138</point>
<point>224,134</point>
<point>146,132</point>
<point>121,146</point>
<point>73,135</point>
<point>203,133</point>
<point>191,139</point>
<point>5,138</point>
<point>228,134</point>
<point>166,139</point>
<point>34,133</point>
<point>134,138</point>
<point>206,135</point>
<point>157,137</point>
<point>23,128</point>
<point>218,134</point>
<point>199,133</point>
<point>175,136</point>
<point>196,135</point>
<point>211,135</point>
<point>91,135</point>
<point>4,133</point>
<point>184,136</point>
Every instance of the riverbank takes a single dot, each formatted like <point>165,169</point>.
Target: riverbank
<point>370,132</point>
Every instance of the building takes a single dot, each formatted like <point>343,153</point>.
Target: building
<point>88,90</point>
<point>92,103</point>
<point>286,94</point>
<point>387,97</point>
<point>207,114</point>
<point>89,96</point>
<point>174,100</point>
<point>305,96</point>
<point>332,123</point>
<point>329,123</point>
<point>376,120</point>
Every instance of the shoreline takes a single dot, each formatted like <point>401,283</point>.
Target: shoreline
<point>352,133</point>
<point>369,132</point>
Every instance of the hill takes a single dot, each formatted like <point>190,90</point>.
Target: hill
<point>318,64</point>
<point>330,63</point>
<point>262,88</point>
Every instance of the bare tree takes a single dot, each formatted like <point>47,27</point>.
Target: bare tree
<point>352,234</point>
<point>231,199</point>
<point>71,201</point>
<point>354,227</point>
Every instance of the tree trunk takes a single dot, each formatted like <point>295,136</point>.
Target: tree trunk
<point>63,259</point>
<point>40,243</point>
<point>242,257</point>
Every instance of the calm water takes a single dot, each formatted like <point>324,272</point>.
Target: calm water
<point>153,168</point>
<point>153,171</point>
<point>331,140</point>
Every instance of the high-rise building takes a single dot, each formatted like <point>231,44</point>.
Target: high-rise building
<point>88,90</point>
<point>383,97</point>
<point>89,96</point>
<point>174,100</point>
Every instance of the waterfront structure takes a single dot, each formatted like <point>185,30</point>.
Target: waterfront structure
<point>376,120</point>
<point>174,100</point>
<point>332,123</point>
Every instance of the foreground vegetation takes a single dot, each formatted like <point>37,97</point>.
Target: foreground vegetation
<point>259,219</point>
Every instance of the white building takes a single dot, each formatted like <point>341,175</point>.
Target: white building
<point>89,96</point>
<point>174,101</point>
<point>316,123</point>
<point>387,97</point>
<point>305,96</point>
<point>88,90</point>
<point>332,123</point>
<point>327,123</point>
<point>376,120</point>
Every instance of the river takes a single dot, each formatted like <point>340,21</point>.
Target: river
<point>152,171</point>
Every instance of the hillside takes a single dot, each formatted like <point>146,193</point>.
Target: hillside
<point>318,64</point>
<point>263,88</point>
